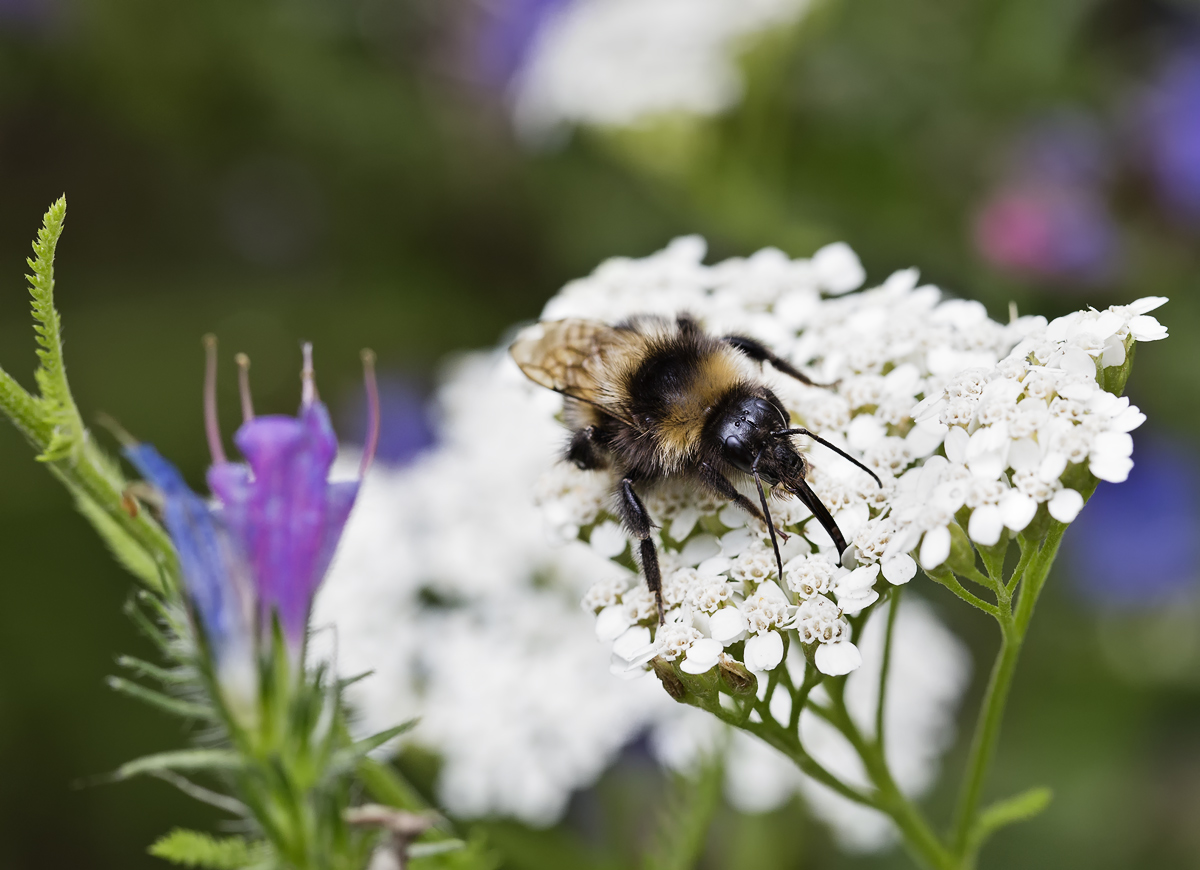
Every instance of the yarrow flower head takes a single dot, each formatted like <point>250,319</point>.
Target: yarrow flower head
<point>973,426</point>
<point>258,552</point>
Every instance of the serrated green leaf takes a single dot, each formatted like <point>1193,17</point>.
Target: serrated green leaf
<point>181,760</point>
<point>57,407</point>
<point>194,849</point>
<point>1018,808</point>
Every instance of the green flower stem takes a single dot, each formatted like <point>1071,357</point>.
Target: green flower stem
<point>1031,575</point>
<point>881,699</point>
<point>920,838</point>
<point>987,732</point>
<point>86,480</point>
<point>788,742</point>
<point>946,578</point>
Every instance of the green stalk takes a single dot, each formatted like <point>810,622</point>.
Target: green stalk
<point>1013,628</point>
<point>923,844</point>
<point>983,743</point>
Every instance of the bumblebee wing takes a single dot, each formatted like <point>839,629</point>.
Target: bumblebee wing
<point>567,356</point>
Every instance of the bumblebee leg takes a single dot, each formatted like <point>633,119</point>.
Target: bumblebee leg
<point>637,520</point>
<point>722,486</point>
<point>584,450</point>
<point>760,353</point>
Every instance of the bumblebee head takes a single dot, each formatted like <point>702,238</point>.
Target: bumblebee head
<point>747,432</point>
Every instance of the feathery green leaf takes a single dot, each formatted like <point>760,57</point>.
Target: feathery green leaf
<point>57,407</point>
<point>194,849</point>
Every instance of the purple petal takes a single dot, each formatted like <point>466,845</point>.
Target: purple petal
<point>284,512</point>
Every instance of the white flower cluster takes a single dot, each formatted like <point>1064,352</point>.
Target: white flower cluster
<point>459,578</point>
<point>615,62</point>
<point>962,418</point>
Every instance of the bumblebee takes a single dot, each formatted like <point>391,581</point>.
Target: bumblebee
<point>653,398</point>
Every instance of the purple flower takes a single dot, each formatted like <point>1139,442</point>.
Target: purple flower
<point>1053,232</point>
<point>406,423</point>
<point>260,551</point>
<point>1168,119</point>
<point>1136,544</point>
<point>1049,217</point>
<point>505,36</point>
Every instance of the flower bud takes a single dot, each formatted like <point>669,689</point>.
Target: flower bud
<point>1113,378</point>
<point>962,552</point>
<point>665,672</point>
<point>736,678</point>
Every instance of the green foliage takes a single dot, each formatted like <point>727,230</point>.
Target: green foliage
<point>683,827</point>
<point>386,786</point>
<point>181,760</point>
<point>281,749</point>
<point>475,854</point>
<point>51,423</point>
<point>166,703</point>
<point>129,554</point>
<point>1018,808</point>
<point>56,404</point>
<point>194,849</point>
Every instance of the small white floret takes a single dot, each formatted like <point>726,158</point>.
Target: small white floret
<point>1065,505</point>
<point>764,651</point>
<point>836,659</point>
<point>727,625</point>
<point>935,547</point>
<point>702,656</point>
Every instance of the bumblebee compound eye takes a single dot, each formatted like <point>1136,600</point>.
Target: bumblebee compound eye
<point>738,453</point>
<point>743,428</point>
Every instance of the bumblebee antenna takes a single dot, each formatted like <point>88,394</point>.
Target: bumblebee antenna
<point>835,449</point>
<point>762,496</point>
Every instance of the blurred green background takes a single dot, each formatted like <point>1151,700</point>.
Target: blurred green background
<point>339,171</point>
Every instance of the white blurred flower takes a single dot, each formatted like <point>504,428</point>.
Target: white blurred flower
<point>617,62</point>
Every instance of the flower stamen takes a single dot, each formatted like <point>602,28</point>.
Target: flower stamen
<point>308,389</point>
<point>243,363</point>
<point>212,428</point>
<point>372,387</point>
